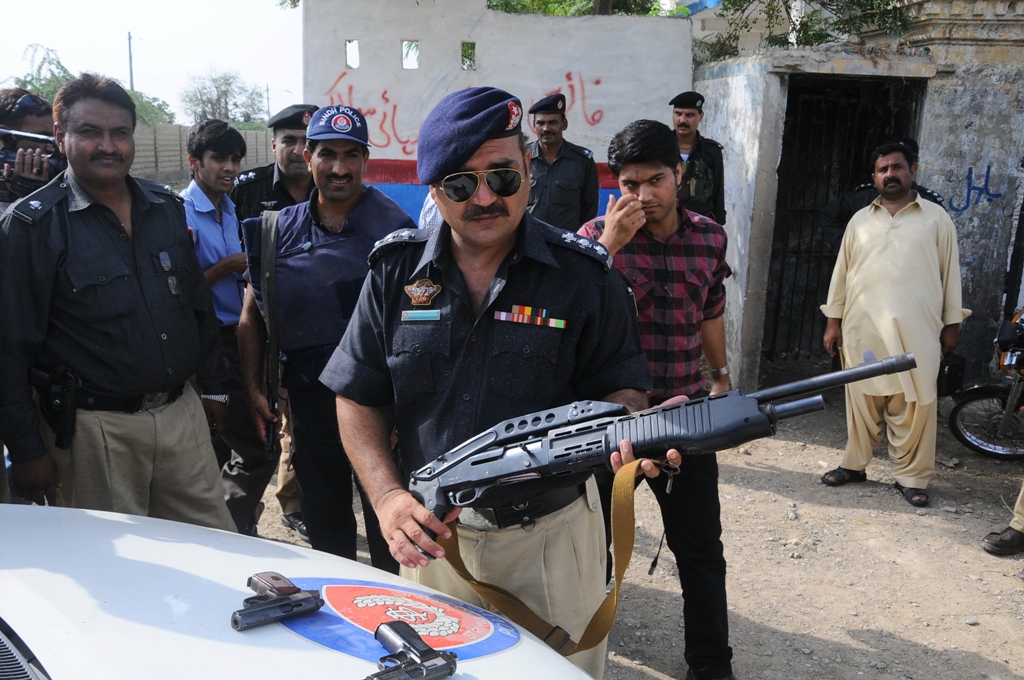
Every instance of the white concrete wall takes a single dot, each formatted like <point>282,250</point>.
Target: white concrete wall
<point>612,69</point>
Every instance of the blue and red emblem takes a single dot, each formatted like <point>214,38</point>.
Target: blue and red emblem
<point>355,608</point>
<point>341,123</point>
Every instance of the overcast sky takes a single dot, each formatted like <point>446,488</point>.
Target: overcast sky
<point>170,42</point>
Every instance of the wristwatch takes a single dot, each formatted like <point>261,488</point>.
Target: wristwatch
<point>222,398</point>
<point>717,373</point>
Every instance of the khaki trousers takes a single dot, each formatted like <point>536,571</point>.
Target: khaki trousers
<point>910,429</point>
<point>287,486</point>
<point>1018,511</point>
<point>557,569</point>
<point>157,463</point>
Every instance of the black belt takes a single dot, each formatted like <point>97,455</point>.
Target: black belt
<point>89,401</point>
<point>230,330</point>
<point>523,513</point>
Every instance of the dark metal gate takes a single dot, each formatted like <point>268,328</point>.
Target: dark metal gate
<point>832,123</point>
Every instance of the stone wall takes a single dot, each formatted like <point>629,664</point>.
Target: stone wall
<point>161,152</point>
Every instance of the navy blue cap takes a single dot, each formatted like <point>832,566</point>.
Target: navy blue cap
<point>338,122</point>
<point>460,124</point>
<point>294,117</point>
<point>688,100</point>
<point>553,103</point>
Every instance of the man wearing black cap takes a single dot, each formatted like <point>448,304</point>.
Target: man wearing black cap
<point>836,215</point>
<point>563,176</point>
<point>492,315</point>
<point>286,181</point>
<point>701,190</point>
<point>322,248</point>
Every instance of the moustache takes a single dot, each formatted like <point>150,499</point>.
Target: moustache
<point>475,211</point>
<point>342,178</point>
<point>893,181</point>
<point>100,156</point>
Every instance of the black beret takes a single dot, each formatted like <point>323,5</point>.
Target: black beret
<point>459,125</point>
<point>553,103</point>
<point>294,117</point>
<point>688,100</point>
<point>908,142</point>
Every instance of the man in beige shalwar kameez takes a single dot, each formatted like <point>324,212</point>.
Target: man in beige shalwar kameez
<point>895,289</point>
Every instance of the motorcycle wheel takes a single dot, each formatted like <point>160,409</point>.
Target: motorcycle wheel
<point>974,422</point>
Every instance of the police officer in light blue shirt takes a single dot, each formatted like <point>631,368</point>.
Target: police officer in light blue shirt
<point>215,153</point>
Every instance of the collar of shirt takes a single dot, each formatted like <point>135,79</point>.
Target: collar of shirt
<point>351,220</point>
<point>536,153</point>
<point>877,203</point>
<point>80,199</point>
<point>530,243</point>
<point>202,203</point>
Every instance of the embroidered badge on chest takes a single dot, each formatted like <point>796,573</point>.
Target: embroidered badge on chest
<point>530,316</point>
<point>423,292</point>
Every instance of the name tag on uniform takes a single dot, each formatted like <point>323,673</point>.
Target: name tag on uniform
<point>422,315</point>
<point>530,316</point>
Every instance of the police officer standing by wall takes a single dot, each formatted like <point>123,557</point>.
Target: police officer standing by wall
<point>563,176</point>
<point>98,270</point>
<point>439,339</point>
<point>702,188</point>
<point>322,250</point>
<point>286,181</point>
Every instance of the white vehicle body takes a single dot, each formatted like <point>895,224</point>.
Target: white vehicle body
<point>105,595</point>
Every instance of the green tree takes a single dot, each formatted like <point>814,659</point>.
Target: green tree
<point>225,96</point>
<point>804,22</point>
<point>47,74</point>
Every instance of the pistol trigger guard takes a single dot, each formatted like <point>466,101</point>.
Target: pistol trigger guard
<point>392,660</point>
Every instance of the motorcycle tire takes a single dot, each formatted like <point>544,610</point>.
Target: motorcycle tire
<point>975,418</point>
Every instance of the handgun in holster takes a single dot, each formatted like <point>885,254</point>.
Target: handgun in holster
<point>58,400</point>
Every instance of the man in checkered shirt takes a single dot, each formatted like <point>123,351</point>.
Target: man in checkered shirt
<point>674,260</point>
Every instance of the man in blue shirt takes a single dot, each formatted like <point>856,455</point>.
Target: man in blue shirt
<point>215,153</point>
<point>320,265</point>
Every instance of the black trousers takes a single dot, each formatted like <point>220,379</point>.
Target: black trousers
<point>246,468</point>
<point>325,480</point>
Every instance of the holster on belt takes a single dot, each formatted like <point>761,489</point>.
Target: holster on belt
<point>58,400</point>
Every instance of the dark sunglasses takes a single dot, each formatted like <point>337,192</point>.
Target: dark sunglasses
<point>460,186</point>
<point>24,105</point>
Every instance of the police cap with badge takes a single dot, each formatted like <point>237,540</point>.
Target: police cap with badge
<point>338,122</point>
<point>295,117</point>
<point>688,100</point>
<point>553,103</point>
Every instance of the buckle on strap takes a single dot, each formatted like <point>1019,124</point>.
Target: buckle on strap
<point>557,638</point>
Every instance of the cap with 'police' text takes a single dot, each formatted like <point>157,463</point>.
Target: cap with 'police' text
<point>338,122</point>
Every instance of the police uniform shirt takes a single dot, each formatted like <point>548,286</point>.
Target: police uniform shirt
<point>129,315</point>
<point>555,327</point>
<point>565,193</point>
<point>319,275</point>
<point>702,190</point>
<point>261,189</point>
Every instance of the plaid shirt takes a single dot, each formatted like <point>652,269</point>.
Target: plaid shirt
<point>677,284</point>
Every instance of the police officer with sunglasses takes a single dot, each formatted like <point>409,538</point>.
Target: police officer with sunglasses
<point>492,315</point>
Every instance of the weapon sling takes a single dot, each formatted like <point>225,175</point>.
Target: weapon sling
<point>623,536</point>
<point>268,255</point>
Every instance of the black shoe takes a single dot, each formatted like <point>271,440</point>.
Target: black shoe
<point>295,521</point>
<point>1009,541</point>
<point>691,676</point>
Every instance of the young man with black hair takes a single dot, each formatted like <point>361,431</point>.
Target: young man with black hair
<point>674,260</point>
<point>215,153</point>
<point>99,270</point>
<point>895,288</point>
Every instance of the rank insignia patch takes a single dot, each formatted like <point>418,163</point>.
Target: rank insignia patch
<point>422,292</point>
<point>530,316</point>
<point>421,315</point>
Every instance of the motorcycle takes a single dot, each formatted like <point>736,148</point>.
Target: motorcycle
<point>989,414</point>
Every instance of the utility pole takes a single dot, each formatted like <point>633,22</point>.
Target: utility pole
<point>131,71</point>
<point>268,101</point>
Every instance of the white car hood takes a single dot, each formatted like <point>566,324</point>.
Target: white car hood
<point>104,595</point>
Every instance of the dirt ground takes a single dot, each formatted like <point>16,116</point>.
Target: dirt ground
<point>826,583</point>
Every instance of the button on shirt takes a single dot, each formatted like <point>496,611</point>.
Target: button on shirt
<point>215,239</point>
<point>678,283</point>
<point>451,373</point>
<point>130,316</point>
<point>564,193</point>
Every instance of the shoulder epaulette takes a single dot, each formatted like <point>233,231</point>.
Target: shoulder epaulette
<point>158,188</point>
<point>932,196</point>
<point>40,202</point>
<point>582,150</point>
<point>581,244</point>
<point>255,173</point>
<point>714,143</point>
<point>866,185</point>
<point>403,236</point>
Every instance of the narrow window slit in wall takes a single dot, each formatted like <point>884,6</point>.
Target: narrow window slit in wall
<point>410,54</point>
<point>352,53</point>
<point>468,56</point>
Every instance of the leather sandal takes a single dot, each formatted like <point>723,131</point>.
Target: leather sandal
<point>916,497</point>
<point>841,476</point>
